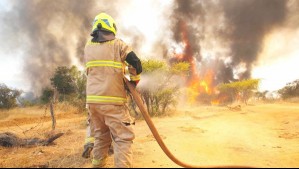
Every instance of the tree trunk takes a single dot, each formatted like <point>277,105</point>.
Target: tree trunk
<point>52,116</point>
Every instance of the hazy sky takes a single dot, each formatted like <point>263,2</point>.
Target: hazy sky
<point>277,62</point>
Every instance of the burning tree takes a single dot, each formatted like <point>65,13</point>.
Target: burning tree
<point>221,46</point>
<point>240,90</point>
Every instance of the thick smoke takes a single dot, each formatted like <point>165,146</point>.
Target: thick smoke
<point>247,24</point>
<point>51,34</point>
<point>223,35</point>
<point>186,21</point>
<point>238,26</point>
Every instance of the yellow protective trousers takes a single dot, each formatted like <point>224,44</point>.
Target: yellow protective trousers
<point>112,123</point>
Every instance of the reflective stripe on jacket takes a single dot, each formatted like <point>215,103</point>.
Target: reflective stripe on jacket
<point>105,63</point>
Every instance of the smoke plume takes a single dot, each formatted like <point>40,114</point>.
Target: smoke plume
<point>51,34</point>
<point>238,27</point>
<point>186,19</point>
<point>223,35</point>
<point>247,24</point>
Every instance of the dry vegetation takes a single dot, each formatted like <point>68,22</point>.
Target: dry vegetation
<point>36,122</point>
<point>259,135</point>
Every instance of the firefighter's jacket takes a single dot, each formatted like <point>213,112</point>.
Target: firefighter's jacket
<point>105,64</point>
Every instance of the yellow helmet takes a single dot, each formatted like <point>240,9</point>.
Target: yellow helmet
<point>104,22</point>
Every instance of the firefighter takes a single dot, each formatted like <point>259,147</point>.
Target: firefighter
<point>106,58</point>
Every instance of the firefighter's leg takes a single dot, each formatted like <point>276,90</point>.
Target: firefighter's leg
<point>120,123</point>
<point>101,134</point>
<point>89,140</point>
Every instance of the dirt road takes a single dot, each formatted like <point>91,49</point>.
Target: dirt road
<point>263,135</point>
<point>258,136</point>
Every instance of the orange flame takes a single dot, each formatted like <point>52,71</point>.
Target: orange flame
<point>199,86</point>
<point>198,83</point>
<point>215,102</point>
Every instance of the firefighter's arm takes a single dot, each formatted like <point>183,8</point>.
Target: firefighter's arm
<point>135,67</point>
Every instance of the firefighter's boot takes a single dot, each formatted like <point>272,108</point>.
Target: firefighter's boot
<point>87,150</point>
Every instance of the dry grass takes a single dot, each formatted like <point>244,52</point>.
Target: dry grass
<point>66,107</point>
<point>3,115</point>
<point>36,111</point>
<point>24,112</point>
<point>214,132</point>
<point>293,100</point>
<point>35,121</point>
<point>66,152</point>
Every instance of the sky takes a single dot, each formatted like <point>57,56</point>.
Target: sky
<point>279,60</point>
<point>11,62</point>
<point>149,27</point>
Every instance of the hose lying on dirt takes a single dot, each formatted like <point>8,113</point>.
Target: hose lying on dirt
<point>153,129</point>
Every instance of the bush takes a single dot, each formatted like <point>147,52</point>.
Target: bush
<point>291,90</point>
<point>161,91</point>
<point>8,97</point>
<point>68,86</point>
<point>47,95</point>
<point>240,90</point>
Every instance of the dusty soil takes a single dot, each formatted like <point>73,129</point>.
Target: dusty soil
<point>260,135</point>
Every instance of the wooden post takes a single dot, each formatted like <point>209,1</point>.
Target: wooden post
<point>52,116</point>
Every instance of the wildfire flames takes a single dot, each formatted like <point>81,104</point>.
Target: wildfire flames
<point>199,83</point>
<point>200,86</point>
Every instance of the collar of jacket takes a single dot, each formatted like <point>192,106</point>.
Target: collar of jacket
<point>102,36</point>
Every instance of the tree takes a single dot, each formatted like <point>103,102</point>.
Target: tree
<point>240,90</point>
<point>47,95</point>
<point>79,81</point>
<point>161,88</point>
<point>290,90</point>
<point>69,81</point>
<point>70,85</point>
<point>8,97</point>
<point>261,95</point>
<point>63,81</point>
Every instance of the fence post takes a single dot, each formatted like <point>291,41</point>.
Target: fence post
<point>52,116</point>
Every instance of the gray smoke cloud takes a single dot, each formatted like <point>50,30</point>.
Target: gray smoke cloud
<point>247,24</point>
<point>51,33</point>
<point>186,20</point>
<point>238,26</point>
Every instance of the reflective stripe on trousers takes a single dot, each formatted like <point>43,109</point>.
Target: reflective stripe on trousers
<point>110,123</point>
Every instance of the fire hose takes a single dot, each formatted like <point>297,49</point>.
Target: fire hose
<point>143,110</point>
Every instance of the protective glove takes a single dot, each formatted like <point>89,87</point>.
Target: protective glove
<point>135,83</point>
